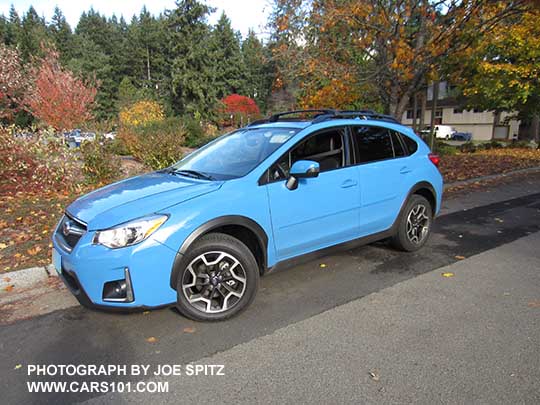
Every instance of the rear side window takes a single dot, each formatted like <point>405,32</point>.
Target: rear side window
<point>372,144</point>
<point>398,147</point>
<point>410,144</point>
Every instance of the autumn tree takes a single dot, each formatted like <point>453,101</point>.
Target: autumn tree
<point>501,70</point>
<point>56,96</point>
<point>392,45</point>
<point>240,108</point>
<point>13,82</point>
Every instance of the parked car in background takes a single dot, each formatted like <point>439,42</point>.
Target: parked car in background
<point>75,137</point>
<point>461,136</point>
<point>200,233</point>
<point>441,132</point>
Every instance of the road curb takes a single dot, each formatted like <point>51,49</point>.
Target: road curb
<point>492,177</point>
<point>27,277</point>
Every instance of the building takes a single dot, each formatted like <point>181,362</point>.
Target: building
<point>483,125</point>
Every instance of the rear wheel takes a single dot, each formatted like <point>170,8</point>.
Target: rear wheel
<point>415,224</point>
<point>220,279</point>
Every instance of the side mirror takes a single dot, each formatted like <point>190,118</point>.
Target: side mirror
<point>302,169</point>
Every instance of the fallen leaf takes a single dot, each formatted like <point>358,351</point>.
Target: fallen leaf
<point>322,265</point>
<point>34,251</point>
<point>534,304</point>
<point>3,246</point>
<point>189,330</point>
<point>151,339</point>
<point>9,288</point>
<point>6,279</point>
<point>18,366</point>
<point>448,274</point>
<point>146,312</point>
<point>460,257</point>
<point>498,220</point>
<point>374,375</point>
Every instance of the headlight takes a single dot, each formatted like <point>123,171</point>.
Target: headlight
<point>129,233</point>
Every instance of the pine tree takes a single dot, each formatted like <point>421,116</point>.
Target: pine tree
<point>192,72</point>
<point>229,69</point>
<point>258,71</point>
<point>13,30</point>
<point>62,35</point>
<point>32,34</point>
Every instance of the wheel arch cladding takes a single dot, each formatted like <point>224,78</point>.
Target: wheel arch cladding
<point>427,191</point>
<point>249,232</point>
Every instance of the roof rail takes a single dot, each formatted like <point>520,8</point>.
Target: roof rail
<point>359,114</point>
<point>276,117</point>
<point>329,114</point>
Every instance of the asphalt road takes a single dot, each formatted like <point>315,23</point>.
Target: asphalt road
<point>77,335</point>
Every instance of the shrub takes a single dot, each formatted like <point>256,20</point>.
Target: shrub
<point>100,163</point>
<point>445,149</point>
<point>141,113</point>
<point>38,163</point>
<point>468,147</point>
<point>157,144</point>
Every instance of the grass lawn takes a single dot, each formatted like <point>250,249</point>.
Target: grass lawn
<point>28,219</point>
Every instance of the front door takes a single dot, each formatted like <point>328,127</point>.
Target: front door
<point>322,211</point>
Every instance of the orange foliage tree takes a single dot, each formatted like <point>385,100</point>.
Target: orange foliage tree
<point>365,48</point>
<point>56,96</point>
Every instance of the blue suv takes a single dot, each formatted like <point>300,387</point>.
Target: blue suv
<point>200,233</point>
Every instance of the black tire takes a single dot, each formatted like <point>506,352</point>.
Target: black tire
<point>404,237</point>
<point>238,263</point>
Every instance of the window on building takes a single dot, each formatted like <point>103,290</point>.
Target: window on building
<point>410,114</point>
<point>458,110</point>
<point>438,113</point>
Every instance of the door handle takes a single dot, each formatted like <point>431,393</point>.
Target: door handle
<point>405,170</point>
<point>349,183</point>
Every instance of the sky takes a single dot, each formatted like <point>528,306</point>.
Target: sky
<point>244,14</point>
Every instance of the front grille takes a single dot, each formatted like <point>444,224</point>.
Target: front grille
<point>69,231</point>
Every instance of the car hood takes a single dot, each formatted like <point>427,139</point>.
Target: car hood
<point>136,197</point>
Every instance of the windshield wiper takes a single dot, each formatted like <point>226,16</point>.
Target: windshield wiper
<point>191,173</point>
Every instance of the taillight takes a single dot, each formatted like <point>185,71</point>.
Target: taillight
<point>435,159</point>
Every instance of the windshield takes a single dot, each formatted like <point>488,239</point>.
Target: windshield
<point>235,154</point>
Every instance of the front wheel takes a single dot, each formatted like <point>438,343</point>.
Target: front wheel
<point>220,279</point>
<point>415,224</point>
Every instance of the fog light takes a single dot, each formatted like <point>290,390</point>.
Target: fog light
<point>119,290</point>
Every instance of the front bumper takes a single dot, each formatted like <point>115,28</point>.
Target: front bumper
<point>88,268</point>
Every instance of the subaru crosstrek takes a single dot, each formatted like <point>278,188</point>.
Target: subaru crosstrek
<point>200,233</point>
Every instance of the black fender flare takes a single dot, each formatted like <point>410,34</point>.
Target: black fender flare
<point>418,186</point>
<point>262,240</point>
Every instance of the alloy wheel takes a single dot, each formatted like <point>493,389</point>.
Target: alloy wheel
<point>417,224</point>
<point>214,282</point>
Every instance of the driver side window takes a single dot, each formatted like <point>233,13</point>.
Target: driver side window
<point>326,148</point>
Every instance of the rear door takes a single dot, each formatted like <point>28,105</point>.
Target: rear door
<point>383,172</point>
<point>322,211</point>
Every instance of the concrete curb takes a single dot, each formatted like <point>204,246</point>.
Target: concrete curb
<point>491,177</point>
<point>28,277</point>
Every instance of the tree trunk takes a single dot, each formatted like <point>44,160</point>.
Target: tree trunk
<point>148,62</point>
<point>415,109</point>
<point>535,129</point>
<point>423,109</point>
<point>433,109</point>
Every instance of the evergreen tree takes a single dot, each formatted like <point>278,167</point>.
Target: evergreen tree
<point>229,69</point>
<point>62,35</point>
<point>32,34</point>
<point>13,30</point>
<point>192,78</point>
<point>258,71</point>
